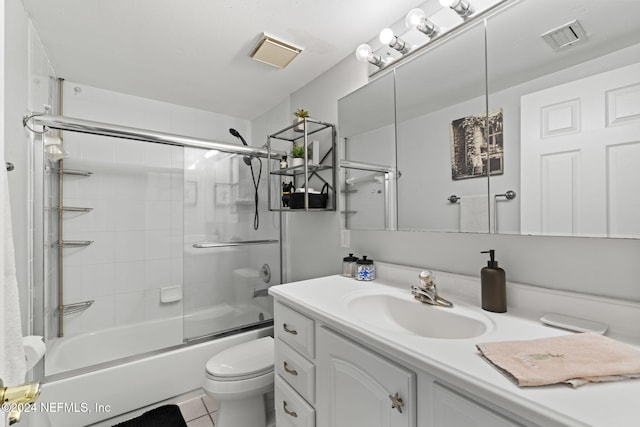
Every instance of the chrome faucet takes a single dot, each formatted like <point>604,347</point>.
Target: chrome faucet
<point>427,292</point>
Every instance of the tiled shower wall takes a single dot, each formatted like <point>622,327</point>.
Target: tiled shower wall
<point>136,192</point>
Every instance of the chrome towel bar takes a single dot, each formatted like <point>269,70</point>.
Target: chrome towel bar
<point>206,245</point>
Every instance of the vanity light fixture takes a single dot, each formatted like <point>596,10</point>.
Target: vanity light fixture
<point>364,53</point>
<point>416,18</point>
<point>387,37</point>
<point>461,7</point>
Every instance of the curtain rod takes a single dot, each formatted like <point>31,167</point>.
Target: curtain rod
<point>125,132</point>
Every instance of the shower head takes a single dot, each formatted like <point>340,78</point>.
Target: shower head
<point>235,133</point>
<point>246,159</point>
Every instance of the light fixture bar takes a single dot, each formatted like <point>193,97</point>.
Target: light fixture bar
<point>462,7</point>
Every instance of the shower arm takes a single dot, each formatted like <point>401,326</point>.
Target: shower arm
<point>125,132</point>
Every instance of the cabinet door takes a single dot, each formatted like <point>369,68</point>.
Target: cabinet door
<point>453,410</point>
<point>356,387</point>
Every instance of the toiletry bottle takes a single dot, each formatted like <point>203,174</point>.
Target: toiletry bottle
<point>366,270</point>
<point>494,285</point>
<point>349,266</point>
<point>283,162</point>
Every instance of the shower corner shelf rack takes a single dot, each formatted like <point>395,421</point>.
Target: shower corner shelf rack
<point>299,133</point>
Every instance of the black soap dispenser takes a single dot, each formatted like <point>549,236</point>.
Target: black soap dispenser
<point>494,285</point>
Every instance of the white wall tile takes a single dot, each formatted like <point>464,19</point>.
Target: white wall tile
<point>158,156</point>
<point>158,214</point>
<point>157,244</point>
<point>158,186</point>
<point>130,276</point>
<point>158,274</point>
<point>129,308</point>
<point>72,276</point>
<point>128,215</point>
<point>98,280</point>
<point>129,246</point>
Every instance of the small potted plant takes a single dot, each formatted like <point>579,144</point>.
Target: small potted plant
<point>297,155</point>
<point>300,114</point>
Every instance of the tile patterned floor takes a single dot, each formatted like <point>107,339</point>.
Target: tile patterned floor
<point>199,411</point>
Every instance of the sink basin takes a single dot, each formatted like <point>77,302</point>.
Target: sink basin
<point>400,313</point>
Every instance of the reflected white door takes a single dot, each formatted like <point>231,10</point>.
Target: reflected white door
<point>580,157</point>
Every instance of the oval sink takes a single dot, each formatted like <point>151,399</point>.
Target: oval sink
<point>401,313</point>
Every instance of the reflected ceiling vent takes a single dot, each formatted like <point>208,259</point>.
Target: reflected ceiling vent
<point>565,35</point>
<point>274,52</point>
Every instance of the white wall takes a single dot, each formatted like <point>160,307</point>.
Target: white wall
<point>315,237</point>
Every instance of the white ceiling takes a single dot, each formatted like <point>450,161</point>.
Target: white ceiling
<point>196,52</point>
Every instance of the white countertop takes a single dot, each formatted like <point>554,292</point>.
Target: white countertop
<point>458,362</point>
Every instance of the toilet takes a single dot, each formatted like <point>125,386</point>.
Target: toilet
<point>238,379</point>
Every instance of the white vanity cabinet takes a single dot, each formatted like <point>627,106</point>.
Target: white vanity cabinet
<point>356,387</point>
<point>295,368</point>
<point>327,379</point>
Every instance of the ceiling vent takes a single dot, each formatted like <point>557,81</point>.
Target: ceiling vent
<point>565,35</point>
<point>274,52</point>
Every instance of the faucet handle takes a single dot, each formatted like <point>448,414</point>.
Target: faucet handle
<point>427,278</point>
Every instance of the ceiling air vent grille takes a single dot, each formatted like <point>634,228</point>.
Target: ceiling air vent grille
<point>565,35</point>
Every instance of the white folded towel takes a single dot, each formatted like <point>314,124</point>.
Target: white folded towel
<point>15,364</point>
<point>474,214</point>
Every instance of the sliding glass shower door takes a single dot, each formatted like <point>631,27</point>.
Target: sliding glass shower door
<point>231,249</point>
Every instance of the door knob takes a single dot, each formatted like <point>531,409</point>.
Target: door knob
<point>15,398</point>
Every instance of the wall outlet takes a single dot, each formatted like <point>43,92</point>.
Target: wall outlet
<point>345,238</point>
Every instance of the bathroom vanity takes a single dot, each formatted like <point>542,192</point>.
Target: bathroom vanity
<point>351,353</point>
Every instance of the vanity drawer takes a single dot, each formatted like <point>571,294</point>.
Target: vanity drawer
<point>291,409</point>
<point>296,370</point>
<point>294,329</point>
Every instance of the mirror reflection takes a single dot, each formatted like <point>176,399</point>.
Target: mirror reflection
<point>571,116</point>
<point>559,132</point>
<point>441,111</point>
<point>367,130</point>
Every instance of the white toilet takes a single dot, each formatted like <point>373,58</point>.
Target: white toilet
<point>238,379</point>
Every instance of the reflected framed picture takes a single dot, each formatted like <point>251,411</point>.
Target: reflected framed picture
<point>477,146</point>
<point>190,193</point>
<point>223,194</point>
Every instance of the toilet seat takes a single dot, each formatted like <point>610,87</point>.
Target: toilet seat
<point>243,361</point>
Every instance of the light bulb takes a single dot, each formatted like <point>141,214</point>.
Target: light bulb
<point>386,36</point>
<point>363,52</point>
<point>414,18</point>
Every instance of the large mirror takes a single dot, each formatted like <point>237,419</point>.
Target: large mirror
<point>546,142</point>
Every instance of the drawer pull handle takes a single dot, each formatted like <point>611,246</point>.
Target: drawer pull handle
<point>396,402</point>
<point>291,331</point>
<point>288,412</point>
<point>288,370</point>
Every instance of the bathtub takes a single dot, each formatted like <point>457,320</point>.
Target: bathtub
<point>110,344</point>
<point>95,396</point>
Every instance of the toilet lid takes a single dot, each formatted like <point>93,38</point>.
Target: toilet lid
<point>251,358</point>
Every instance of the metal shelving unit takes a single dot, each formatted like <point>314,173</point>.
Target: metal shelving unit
<point>301,175</point>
